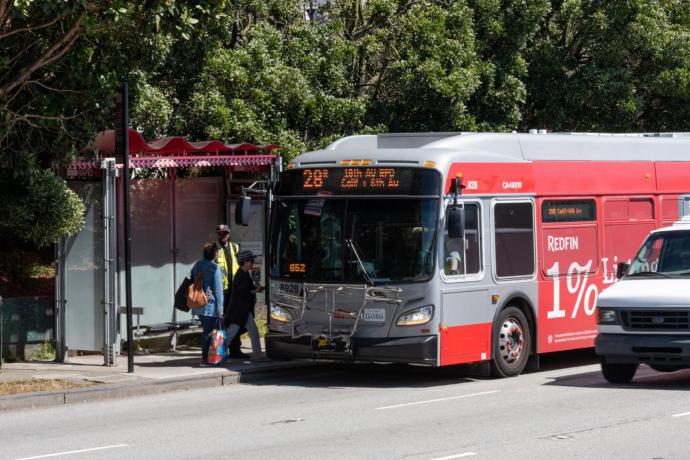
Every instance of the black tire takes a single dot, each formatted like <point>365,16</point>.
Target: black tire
<point>664,367</point>
<point>512,343</point>
<point>616,372</point>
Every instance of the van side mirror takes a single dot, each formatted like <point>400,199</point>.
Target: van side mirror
<point>242,211</point>
<point>622,269</point>
<point>456,222</point>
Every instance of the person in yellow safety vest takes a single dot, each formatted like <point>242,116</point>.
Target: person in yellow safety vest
<point>227,261</point>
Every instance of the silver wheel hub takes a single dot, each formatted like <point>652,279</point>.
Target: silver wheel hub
<point>511,341</point>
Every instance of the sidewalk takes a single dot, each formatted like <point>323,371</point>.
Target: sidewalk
<point>153,373</point>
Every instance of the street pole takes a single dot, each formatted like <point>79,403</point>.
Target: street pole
<point>128,237</point>
<point>1,346</point>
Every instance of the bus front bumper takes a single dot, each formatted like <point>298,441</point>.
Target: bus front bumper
<point>413,350</point>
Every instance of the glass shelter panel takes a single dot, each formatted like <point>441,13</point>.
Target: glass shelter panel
<point>198,210</point>
<point>84,280</point>
<point>152,261</point>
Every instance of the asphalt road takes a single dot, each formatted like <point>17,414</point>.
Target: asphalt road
<point>566,411</point>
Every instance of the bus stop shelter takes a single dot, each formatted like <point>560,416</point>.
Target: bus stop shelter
<point>175,207</point>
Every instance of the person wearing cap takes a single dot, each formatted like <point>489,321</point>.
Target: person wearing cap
<point>226,260</point>
<point>242,301</point>
<point>453,263</point>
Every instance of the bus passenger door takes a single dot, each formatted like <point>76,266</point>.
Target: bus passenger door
<point>465,323</point>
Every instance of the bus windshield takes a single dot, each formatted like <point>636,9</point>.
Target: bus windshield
<point>354,240</point>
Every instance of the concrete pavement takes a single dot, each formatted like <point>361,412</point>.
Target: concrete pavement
<point>153,373</point>
<point>565,411</point>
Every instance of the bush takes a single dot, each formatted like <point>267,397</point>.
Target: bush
<point>39,209</point>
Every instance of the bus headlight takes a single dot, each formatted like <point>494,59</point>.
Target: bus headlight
<point>280,314</point>
<point>416,317</point>
<point>606,316</point>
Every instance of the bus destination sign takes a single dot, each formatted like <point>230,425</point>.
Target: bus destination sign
<point>351,178</point>
<point>347,181</point>
<point>568,210</point>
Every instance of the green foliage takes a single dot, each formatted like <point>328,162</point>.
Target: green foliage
<point>39,210</point>
<point>46,352</point>
<point>612,66</point>
<point>264,71</point>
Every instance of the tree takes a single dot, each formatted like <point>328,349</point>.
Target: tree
<point>60,64</point>
<point>612,66</point>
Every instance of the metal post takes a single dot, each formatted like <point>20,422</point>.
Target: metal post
<point>109,272</point>
<point>128,236</point>
<point>60,301</point>
<point>274,173</point>
<point>1,345</point>
<point>175,250</point>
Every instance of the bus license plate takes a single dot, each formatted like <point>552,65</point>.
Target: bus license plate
<point>374,314</point>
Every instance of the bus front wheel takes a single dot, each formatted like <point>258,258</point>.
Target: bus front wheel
<point>512,343</point>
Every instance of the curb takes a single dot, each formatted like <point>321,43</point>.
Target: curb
<point>148,387</point>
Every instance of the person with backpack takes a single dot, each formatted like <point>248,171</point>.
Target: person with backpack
<point>242,301</point>
<point>210,314</point>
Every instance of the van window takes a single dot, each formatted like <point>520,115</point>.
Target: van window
<point>666,252</point>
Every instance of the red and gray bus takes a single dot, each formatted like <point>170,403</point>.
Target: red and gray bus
<point>442,249</point>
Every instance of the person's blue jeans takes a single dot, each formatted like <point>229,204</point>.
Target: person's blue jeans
<point>208,324</point>
<point>250,326</point>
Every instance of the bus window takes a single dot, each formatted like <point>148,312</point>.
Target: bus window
<point>464,257</point>
<point>514,238</point>
<point>569,236</point>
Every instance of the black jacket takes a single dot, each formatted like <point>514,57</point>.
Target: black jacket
<point>242,299</point>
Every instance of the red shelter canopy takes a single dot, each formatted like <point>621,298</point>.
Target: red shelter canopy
<point>174,145</point>
<point>172,152</point>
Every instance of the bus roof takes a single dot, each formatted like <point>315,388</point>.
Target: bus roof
<point>416,148</point>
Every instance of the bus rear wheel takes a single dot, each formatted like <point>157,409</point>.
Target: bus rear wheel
<point>512,343</point>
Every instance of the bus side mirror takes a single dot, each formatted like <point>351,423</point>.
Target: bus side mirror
<point>456,222</point>
<point>621,269</point>
<point>242,211</point>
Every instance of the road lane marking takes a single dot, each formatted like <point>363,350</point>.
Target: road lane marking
<point>681,414</point>
<point>438,400</point>
<point>115,446</point>
<point>450,457</point>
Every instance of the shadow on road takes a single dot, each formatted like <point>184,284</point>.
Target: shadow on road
<point>566,359</point>
<point>347,375</point>
<point>645,378</point>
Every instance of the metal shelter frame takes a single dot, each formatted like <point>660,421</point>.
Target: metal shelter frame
<point>168,153</point>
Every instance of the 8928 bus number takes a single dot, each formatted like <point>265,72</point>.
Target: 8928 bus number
<point>290,288</point>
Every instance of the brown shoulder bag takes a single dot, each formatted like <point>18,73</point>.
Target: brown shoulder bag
<point>196,297</point>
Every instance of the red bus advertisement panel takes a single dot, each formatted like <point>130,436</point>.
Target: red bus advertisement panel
<point>568,289</point>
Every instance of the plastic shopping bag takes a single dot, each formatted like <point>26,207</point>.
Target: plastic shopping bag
<point>218,349</point>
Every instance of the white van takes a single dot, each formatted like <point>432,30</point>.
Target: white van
<point>645,316</point>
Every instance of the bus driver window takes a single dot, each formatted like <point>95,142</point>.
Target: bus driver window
<point>463,257</point>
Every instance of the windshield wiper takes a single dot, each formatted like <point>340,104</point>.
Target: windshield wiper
<point>365,272</point>
<point>664,275</point>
